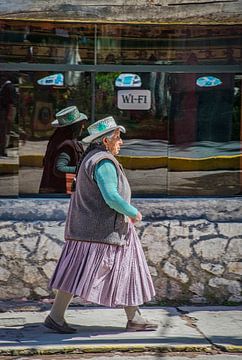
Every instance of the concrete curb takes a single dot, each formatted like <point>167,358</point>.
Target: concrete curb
<point>155,162</point>
<point>9,168</point>
<point>231,348</point>
<point>95,348</point>
<point>144,163</point>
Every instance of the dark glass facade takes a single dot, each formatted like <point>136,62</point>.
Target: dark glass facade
<point>176,89</point>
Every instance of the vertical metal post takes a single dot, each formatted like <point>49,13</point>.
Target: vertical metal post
<point>93,76</point>
<point>240,135</point>
<point>93,86</point>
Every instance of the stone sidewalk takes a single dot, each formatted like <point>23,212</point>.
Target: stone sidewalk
<point>102,330</point>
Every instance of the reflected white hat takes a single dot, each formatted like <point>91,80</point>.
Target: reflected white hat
<point>68,116</point>
<point>100,128</point>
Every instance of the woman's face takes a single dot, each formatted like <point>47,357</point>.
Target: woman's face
<point>77,129</point>
<point>82,127</point>
<point>113,142</point>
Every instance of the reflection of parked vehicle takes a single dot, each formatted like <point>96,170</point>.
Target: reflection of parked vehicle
<point>128,80</point>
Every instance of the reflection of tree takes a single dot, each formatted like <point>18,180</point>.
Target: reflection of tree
<point>105,93</point>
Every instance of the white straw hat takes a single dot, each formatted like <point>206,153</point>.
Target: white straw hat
<point>68,116</point>
<point>100,128</point>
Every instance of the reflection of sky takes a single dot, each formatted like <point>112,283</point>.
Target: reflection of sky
<point>201,149</point>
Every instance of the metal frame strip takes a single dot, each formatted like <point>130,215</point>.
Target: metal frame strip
<point>122,68</point>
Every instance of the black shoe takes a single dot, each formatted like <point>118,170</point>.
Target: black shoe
<point>146,326</point>
<point>63,329</point>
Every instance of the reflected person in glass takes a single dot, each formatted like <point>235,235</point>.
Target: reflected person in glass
<point>102,261</point>
<point>8,110</point>
<point>63,151</point>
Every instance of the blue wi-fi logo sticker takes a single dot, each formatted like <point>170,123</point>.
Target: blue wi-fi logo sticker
<point>54,80</point>
<point>128,80</point>
<point>208,81</point>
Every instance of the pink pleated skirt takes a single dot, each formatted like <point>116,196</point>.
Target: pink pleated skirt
<point>104,274</point>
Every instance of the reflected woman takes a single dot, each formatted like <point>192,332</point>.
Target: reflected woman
<point>63,151</point>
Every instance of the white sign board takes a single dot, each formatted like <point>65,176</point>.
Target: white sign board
<point>134,99</point>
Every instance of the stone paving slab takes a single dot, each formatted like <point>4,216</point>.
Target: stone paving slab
<point>221,325</point>
<point>99,329</point>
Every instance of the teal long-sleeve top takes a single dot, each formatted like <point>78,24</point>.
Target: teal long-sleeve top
<point>105,175</point>
<point>62,164</point>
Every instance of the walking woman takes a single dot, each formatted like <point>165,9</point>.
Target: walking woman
<point>63,151</point>
<point>102,260</point>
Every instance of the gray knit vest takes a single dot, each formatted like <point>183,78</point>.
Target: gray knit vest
<point>89,217</point>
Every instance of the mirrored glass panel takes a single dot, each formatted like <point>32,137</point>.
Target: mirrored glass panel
<point>42,42</point>
<point>169,44</point>
<point>50,148</point>
<point>183,129</point>
<point>9,134</point>
<point>138,102</point>
<point>205,118</point>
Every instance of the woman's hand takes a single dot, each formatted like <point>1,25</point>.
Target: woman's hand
<point>138,217</point>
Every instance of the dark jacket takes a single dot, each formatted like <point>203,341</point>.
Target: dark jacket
<point>54,181</point>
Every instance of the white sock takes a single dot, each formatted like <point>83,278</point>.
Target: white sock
<point>62,300</point>
<point>133,314</point>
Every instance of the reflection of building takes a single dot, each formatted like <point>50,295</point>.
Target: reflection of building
<point>88,43</point>
<point>86,64</point>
